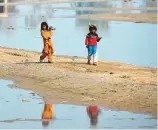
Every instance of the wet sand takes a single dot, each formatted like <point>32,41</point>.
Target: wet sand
<point>69,80</point>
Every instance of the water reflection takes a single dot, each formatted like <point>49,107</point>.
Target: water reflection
<point>28,115</point>
<point>48,114</point>
<point>32,15</point>
<point>116,4</point>
<point>1,9</point>
<point>93,113</point>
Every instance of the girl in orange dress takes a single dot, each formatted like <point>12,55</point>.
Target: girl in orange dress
<point>46,34</point>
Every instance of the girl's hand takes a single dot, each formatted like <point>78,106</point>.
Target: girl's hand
<point>99,38</point>
<point>50,28</point>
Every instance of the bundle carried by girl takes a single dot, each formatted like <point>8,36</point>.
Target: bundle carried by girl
<point>52,28</point>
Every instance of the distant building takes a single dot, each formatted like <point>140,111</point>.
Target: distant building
<point>3,9</point>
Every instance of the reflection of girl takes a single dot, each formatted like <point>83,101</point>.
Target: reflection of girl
<point>46,33</point>
<point>93,112</point>
<point>47,114</point>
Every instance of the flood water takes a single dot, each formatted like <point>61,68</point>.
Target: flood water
<point>127,42</point>
<point>21,109</point>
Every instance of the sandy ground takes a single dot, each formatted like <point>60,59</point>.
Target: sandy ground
<point>69,80</point>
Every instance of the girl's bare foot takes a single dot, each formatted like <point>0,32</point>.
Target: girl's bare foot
<point>88,62</point>
<point>49,61</point>
<point>40,61</point>
<point>95,64</point>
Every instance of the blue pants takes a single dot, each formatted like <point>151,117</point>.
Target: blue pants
<point>92,50</point>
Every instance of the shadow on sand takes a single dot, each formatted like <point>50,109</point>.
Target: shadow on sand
<point>72,63</point>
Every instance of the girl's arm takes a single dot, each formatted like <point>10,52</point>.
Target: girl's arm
<point>98,38</point>
<point>44,35</point>
<point>86,41</point>
<point>88,113</point>
<point>50,33</point>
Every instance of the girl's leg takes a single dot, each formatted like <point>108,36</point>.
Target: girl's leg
<point>50,55</point>
<point>50,58</point>
<point>42,57</point>
<point>89,54</point>
<point>95,55</point>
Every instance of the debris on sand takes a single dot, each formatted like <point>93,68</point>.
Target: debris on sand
<point>124,76</point>
<point>24,100</point>
<point>32,93</point>
<point>10,27</point>
<point>138,22</point>
<point>111,73</point>
<point>64,102</point>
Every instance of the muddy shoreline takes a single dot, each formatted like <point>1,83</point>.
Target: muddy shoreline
<point>136,18</point>
<point>69,80</point>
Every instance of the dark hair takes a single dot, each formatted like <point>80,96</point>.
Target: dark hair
<point>44,23</point>
<point>92,27</point>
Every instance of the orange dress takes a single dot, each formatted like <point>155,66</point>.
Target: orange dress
<point>48,45</point>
